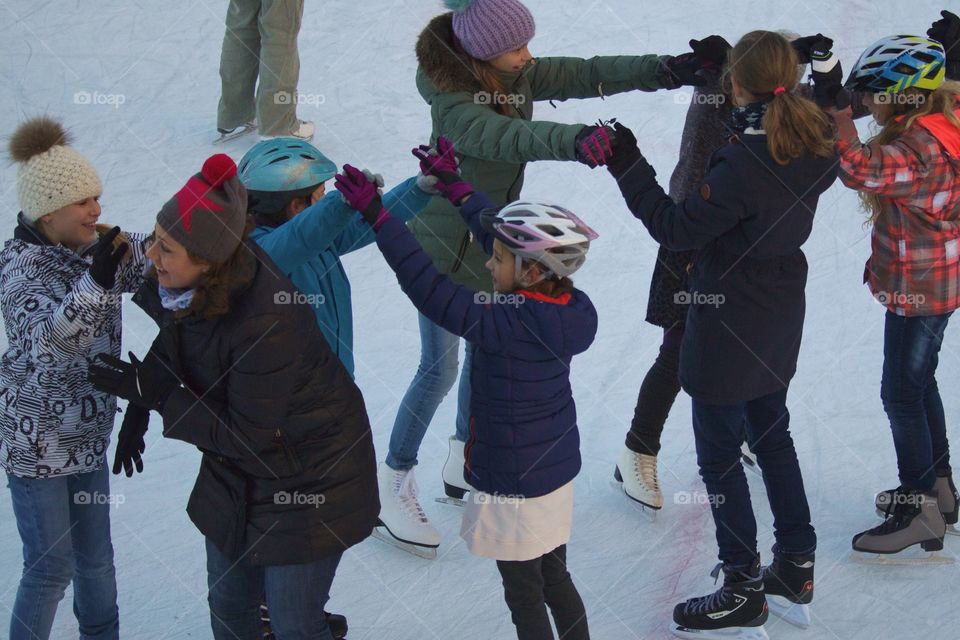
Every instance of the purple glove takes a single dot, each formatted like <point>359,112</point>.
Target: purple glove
<point>441,163</point>
<point>361,193</point>
<point>594,145</point>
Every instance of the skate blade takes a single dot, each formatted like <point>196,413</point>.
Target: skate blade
<point>428,553</point>
<point>233,135</point>
<point>796,614</point>
<point>649,511</point>
<point>911,557</point>
<point>952,530</point>
<point>730,633</point>
<point>453,502</point>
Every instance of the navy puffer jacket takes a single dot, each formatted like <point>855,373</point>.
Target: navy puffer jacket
<point>523,426</point>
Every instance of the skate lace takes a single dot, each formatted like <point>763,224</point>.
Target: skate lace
<point>407,492</point>
<point>716,600</point>
<point>646,469</point>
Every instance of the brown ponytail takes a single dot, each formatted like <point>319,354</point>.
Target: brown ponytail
<point>762,62</point>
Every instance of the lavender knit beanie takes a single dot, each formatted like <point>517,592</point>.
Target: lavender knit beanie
<point>489,28</point>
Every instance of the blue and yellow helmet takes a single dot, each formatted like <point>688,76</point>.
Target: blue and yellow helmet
<point>896,63</point>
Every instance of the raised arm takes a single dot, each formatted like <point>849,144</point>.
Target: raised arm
<point>452,306</point>
<point>704,215</point>
<point>886,169</point>
<point>561,78</point>
<point>404,201</point>
<point>60,330</point>
<point>312,231</point>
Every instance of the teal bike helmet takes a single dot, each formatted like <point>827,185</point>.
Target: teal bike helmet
<point>278,170</point>
<point>896,63</point>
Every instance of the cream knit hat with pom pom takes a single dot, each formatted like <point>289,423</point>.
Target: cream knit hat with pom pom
<point>51,174</point>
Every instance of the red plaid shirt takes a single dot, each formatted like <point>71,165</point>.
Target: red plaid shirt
<point>914,267</point>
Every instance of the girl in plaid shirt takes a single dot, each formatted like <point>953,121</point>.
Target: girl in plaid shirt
<point>907,177</point>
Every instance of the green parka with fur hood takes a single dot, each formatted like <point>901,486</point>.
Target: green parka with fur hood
<point>494,148</point>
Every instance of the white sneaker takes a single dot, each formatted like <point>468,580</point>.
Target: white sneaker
<point>453,483</point>
<point>303,129</point>
<point>638,473</point>
<point>400,512</point>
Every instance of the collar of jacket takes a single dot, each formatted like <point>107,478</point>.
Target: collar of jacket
<point>944,131</point>
<point>562,299</point>
<point>28,233</point>
<point>439,61</point>
<point>147,298</point>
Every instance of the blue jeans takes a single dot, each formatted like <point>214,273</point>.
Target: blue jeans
<point>296,596</point>
<point>719,431</point>
<point>64,524</point>
<point>911,397</point>
<point>435,377</point>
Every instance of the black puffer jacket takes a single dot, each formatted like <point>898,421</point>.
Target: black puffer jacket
<point>288,473</point>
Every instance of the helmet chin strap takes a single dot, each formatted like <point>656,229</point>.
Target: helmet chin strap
<point>518,273</point>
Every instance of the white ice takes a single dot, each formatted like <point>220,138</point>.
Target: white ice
<point>151,69</point>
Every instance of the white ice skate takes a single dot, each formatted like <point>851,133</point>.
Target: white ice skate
<point>638,474</point>
<point>226,135</point>
<point>402,521</point>
<point>454,485</point>
<point>303,129</point>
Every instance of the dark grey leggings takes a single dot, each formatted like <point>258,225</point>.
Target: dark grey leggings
<point>531,584</point>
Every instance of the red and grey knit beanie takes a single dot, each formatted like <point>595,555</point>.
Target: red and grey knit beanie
<point>207,216</point>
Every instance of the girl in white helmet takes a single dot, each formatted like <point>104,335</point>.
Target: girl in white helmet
<point>524,447</point>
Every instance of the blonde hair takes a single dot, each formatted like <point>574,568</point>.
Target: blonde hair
<point>904,110</point>
<point>762,62</point>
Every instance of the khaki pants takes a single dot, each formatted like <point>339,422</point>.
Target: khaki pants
<point>260,42</point>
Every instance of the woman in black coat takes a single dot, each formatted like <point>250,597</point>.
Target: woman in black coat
<point>747,221</point>
<point>287,481</point>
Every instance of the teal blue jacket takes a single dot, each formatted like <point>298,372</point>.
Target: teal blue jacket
<point>308,248</point>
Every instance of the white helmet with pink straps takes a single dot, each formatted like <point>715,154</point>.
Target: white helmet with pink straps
<point>547,233</point>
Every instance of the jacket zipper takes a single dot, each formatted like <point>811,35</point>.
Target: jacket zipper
<point>466,449</point>
<point>461,252</point>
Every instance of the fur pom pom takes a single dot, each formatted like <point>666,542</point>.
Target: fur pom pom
<point>457,5</point>
<point>36,136</point>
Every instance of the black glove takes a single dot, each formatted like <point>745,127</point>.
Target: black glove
<point>594,144</point>
<point>106,259</point>
<point>147,384</point>
<point>946,31</point>
<point>130,442</point>
<point>806,45</point>
<point>689,69</point>
<point>712,51</point>
<point>827,76</point>
<point>625,150</point>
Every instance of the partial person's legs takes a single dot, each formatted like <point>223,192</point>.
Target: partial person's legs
<point>239,65</point>
<point>279,66</point>
<point>95,580</point>
<point>434,379</point>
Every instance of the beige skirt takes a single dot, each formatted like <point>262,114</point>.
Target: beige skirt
<point>516,528</point>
